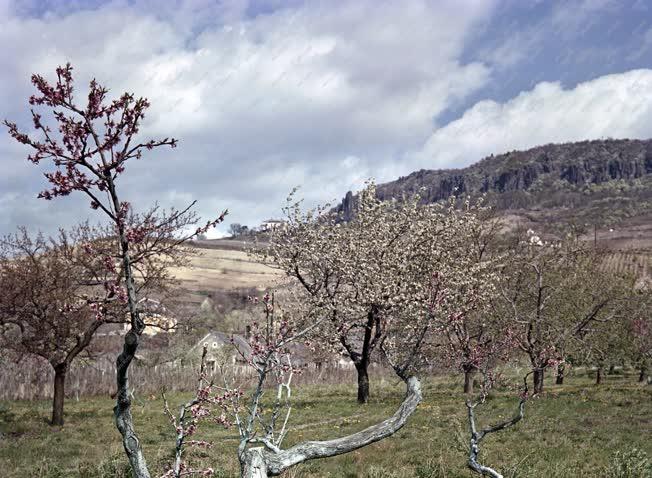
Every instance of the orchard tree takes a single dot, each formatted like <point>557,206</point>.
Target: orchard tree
<point>603,345</point>
<point>43,306</point>
<point>468,334</point>
<point>489,350</point>
<point>57,292</point>
<point>479,434</point>
<point>90,150</point>
<point>271,358</point>
<point>639,328</point>
<point>552,294</point>
<point>372,272</point>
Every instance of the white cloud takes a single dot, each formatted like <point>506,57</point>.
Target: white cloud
<point>260,104</point>
<point>303,94</point>
<point>618,105</point>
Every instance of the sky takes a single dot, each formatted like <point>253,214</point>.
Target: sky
<point>268,95</point>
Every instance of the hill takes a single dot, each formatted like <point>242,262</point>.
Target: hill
<point>602,184</point>
<point>222,265</point>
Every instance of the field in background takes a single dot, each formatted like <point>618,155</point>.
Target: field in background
<point>223,265</point>
<point>572,431</point>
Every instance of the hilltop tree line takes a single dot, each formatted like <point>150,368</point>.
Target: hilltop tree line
<point>417,287</point>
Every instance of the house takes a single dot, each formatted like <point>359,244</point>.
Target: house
<point>272,224</point>
<point>155,315</point>
<point>222,348</point>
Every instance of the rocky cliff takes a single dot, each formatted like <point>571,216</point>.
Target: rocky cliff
<point>601,180</point>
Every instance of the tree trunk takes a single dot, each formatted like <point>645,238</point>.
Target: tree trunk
<point>253,465</point>
<point>478,435</point>
<point>468,380</point>
<point>612,369</point>
<point>642,373</point>
<point>538,380</point>
<point>260,463</point>
<point>60,371</point>
<point>122,410</point>
<point>560,374</point>
<point>363,382</point>
<point>598,376</point>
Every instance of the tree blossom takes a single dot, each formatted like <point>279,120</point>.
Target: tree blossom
<point>89,151</point>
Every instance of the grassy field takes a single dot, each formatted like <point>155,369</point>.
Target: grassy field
<point>222,269</point>
<point>572,431</point>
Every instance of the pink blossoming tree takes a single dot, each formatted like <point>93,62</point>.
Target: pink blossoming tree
<point>89,150</point>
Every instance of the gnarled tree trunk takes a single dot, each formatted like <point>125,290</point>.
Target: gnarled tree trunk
<point>253,464</point>
<point>261,462</point>
<point>122,410</point>
<point>478,435</point>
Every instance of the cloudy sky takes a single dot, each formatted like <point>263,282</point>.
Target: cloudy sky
<point>266,95</point>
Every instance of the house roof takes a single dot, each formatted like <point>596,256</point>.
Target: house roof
<point>224,339</point>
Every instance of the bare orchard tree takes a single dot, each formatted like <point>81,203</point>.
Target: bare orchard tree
<point>553,293</point>
<point>90,151</point>
<point>478,434</point>
<point>366,273</point>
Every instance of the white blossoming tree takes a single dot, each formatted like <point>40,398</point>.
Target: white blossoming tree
<point>372,276</point>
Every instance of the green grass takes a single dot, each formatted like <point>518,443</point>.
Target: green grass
<point>572,431</point>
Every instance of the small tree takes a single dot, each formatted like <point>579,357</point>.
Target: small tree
<point>90,152</point>
<point>552,294</point>
<point>639,330</point>
<point>271,357</point>
<point>43,310</point>
<point>477,435</point>
<point>469,335</point>
<point>603,344</point>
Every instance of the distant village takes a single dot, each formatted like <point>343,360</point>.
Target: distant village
<point>268,225</point>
